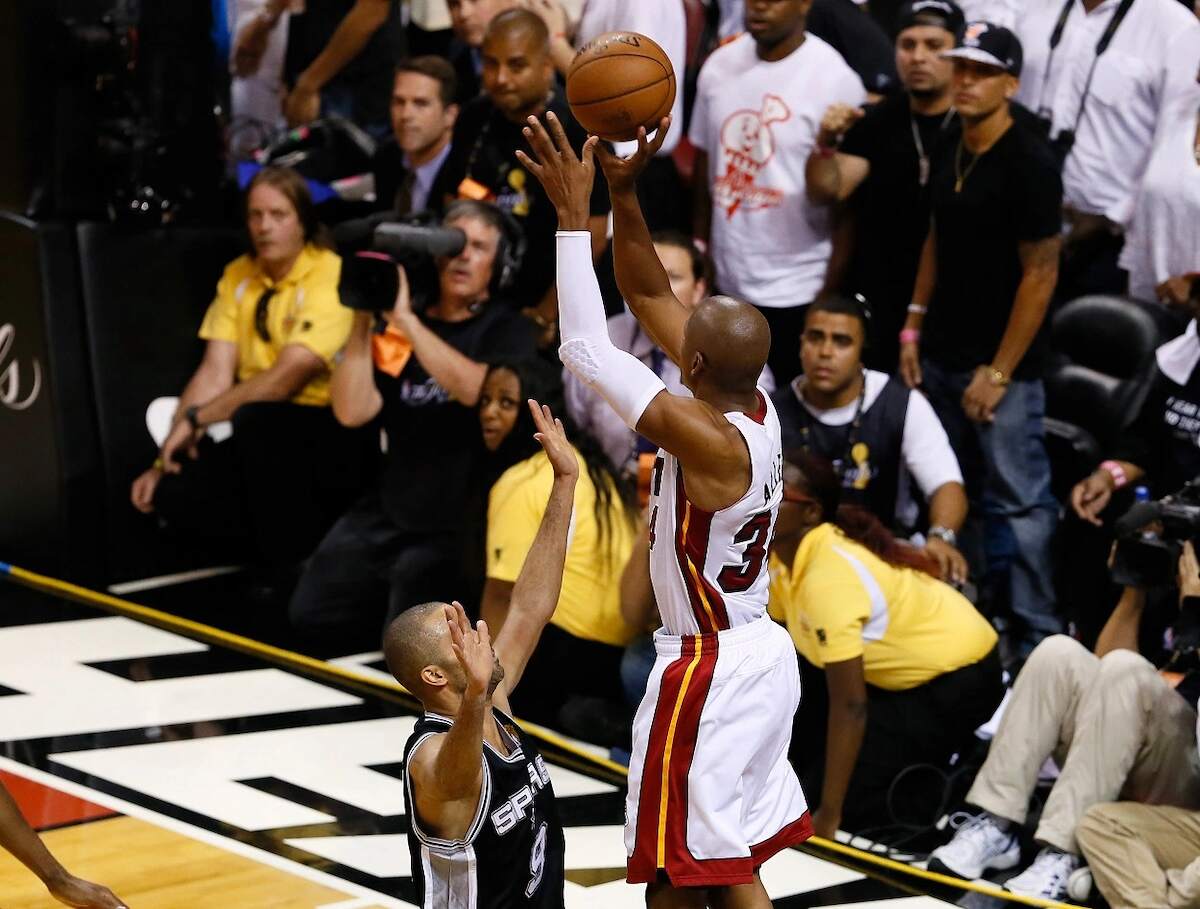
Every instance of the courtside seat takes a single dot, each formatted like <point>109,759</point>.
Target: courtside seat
<point>1101,369</point>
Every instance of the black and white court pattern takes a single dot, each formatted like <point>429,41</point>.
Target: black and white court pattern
<point>302,771</point>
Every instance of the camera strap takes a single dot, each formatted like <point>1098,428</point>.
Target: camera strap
<point>1101,46</point>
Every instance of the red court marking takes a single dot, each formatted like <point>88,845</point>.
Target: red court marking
<point>44,807</point>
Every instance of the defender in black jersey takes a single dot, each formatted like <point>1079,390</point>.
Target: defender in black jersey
<point>483,829</point>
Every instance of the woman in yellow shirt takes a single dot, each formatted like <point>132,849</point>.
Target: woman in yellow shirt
<point>910,666</point>
<point>574,675</point>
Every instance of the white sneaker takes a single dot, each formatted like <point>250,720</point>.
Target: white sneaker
<point>978,845</point>
<point>1048,876</point>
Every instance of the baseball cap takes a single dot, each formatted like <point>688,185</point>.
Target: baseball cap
<point>990,44</point>
<point>940,13</point>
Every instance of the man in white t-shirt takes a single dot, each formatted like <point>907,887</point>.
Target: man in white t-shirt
<point>759,103</point>
<point>1146,71</point>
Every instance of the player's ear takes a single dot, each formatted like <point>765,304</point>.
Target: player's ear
<point>698,364</point>
<point>434,676</point>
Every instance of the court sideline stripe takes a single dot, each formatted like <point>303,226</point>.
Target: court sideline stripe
<point>321,667</point>
<point>308,664</point>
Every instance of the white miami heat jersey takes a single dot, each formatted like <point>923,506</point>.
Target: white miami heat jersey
<point>709,569</point>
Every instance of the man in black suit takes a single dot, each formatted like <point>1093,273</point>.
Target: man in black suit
<point>409,166</point>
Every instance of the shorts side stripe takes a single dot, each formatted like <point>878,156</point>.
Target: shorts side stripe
<point>665,794</point>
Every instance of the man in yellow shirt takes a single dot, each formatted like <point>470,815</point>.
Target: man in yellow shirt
<point>587,632</point>
<point>271,333</point>
<point>910,666</point>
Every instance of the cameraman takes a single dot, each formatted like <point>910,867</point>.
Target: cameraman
<point>1114,726</point>
<point>421,378</point>
<point>1144,856</point>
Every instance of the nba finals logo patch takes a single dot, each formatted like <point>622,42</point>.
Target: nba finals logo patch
<point>748,144</point>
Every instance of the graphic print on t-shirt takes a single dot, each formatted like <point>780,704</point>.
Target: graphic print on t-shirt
<point>747,144</point>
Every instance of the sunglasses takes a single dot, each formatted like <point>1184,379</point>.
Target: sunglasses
<point>260,314</point>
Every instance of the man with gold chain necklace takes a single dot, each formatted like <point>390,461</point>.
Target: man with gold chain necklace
<point>975,339</point>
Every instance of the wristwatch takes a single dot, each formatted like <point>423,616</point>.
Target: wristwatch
<point>945,534</point>
<point>997,376</point>
<point>191,416</point>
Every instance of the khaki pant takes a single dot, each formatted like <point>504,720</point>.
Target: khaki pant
<point>1113,725</point>
<point>1143,856</point>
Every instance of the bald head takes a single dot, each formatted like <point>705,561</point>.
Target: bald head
<point>734,339</point>
<point>521,23</point>
<point>414,640</point>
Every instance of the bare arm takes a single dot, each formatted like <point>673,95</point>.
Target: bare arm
<point>641,278</point>
<point>295,367</point>
<point>213,377</point>
<point>829,175</point>
<point>926,281</point>
<point>352,34</point>
<point>833,178</point>
<point>353,393</point>
<point>453,370</point>
<point>1120,632</point>
<point>494,603</point>
<point>461,376</point>
<point>18,838</point>
<point>948,506</point>
<point>847,726</point>
<point>537,588</point>
<point>637,593</point>
<point>1039,263</point>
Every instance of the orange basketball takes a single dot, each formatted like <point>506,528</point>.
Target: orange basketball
<point>618,82</point>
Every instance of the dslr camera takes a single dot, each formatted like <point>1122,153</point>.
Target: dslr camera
<point>369,280</point>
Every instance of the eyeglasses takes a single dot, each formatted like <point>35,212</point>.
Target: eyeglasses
<point>260,314</point>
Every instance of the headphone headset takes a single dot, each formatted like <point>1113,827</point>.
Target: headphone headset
<point>510,250</point>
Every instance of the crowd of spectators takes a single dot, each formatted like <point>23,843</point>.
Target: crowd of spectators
<point>909,193</point>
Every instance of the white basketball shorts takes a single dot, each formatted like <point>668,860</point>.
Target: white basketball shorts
<point>711,793</point>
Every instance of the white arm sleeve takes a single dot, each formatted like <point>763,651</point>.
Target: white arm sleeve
<point>624,381</point>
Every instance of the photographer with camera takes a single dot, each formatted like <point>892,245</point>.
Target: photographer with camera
<point>1115,726</point>
<point>416,361</point>
<point>1145,856</point>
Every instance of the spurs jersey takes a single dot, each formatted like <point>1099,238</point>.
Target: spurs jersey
<point>512,855</point>
<point>709,569</point>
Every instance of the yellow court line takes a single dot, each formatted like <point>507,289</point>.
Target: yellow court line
<point>277,654</point>
<point>310,664</point>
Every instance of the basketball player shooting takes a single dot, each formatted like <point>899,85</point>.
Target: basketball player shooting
<point>483,827</point>
<point>711,793</point>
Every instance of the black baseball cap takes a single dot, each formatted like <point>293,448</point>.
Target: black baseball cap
<point>990,44</point>
<point>939,13</point>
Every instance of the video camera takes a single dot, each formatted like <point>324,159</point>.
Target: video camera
<point>1148,558</point>
<point>369,280</point>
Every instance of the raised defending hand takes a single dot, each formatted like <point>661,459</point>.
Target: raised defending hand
<point>553,437</point>
<point>567,179</point>
<point>622,173</point>
<point>75,891</point>
<point>473,649</point>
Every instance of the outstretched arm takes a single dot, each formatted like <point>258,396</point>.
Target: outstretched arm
<point>18,838</point>
<point>537,588</point>
<point>641,278</point>
<point>704,441</point>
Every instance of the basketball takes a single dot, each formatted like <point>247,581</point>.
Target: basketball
<point>618,82</point>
